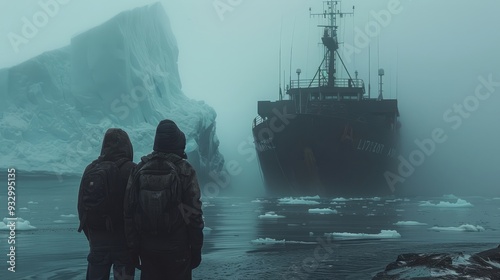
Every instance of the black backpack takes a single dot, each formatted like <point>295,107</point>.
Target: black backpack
<point>98,188</point>
<point>158,195</point>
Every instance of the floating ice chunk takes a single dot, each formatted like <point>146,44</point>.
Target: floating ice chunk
<point>300,242</point>
<point>409,223</point>
<point>462,228</point>
<point>450,196</point>
<point>445,204</point>
<point>322,211</point>
<point>310,197</point>
<point>301,201</point>
<point>259,201</point>
<point>394,200</point>
<point>32,202</point>
<point>21,224</point>
<point>68,216</point>
<point>385,234</point>
<point>271,215</point>
<point>343,199</point>
<point>267,241</point>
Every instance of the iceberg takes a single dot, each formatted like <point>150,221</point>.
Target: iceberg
<point>123,73</point>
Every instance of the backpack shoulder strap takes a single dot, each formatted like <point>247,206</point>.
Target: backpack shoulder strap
<point>121,162</point>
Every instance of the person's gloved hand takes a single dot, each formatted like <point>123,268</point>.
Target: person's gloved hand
<point>195,257</point>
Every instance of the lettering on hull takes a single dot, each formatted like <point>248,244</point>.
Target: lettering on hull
<point>264,145</point>
<point>376,148</point>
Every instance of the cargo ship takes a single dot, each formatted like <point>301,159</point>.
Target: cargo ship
<point>328,136</point>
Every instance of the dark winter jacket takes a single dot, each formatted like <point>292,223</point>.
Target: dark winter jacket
<point>116,147</point>
<point>187,233</point>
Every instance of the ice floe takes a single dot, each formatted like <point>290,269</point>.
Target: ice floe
<point>460,203</point>
<point>297,201</point>
<point>68,216</point>
<point>322,211</point>
<point>267,241</point>
<point>271,215</point>
<point>409,223</point>
<point>21,224</point>
<point>385,234</point>
<point>463,228</point>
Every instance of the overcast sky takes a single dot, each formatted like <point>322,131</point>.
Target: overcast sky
<point>433,53</point>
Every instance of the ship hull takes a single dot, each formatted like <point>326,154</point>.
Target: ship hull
<point>309,154</point>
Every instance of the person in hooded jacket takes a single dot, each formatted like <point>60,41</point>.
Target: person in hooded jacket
<point>172,254</point>
<point>108,248</point>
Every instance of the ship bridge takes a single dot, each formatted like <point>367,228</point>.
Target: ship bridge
<point>342,89</point>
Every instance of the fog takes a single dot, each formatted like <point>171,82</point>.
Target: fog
<point>440,58</point>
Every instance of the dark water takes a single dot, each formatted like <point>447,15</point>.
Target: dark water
<point>232,250</point>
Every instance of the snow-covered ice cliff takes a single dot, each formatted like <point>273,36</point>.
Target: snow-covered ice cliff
<point>56,107</point>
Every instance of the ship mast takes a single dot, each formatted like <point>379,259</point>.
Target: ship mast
<point>329,38</point>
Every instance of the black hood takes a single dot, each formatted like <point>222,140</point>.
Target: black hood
<point>170,139</point>
<point>116,145</point>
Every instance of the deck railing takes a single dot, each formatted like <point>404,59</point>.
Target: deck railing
<point>306,83</point>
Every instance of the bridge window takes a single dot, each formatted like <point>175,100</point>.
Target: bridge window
<point>314,96</point>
